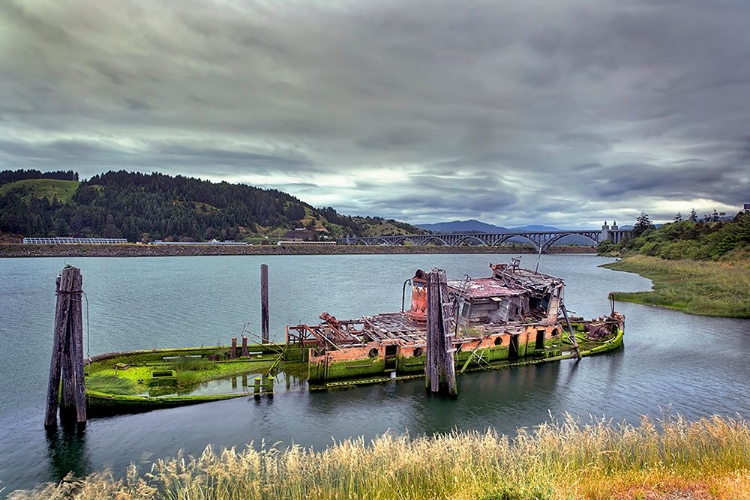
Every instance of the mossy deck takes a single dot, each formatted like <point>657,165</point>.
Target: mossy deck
<point>143,380</point>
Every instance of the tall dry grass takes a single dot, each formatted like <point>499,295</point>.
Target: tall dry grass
<point>567,459</point>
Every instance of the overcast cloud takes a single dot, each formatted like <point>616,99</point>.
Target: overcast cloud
<point>556,112</point>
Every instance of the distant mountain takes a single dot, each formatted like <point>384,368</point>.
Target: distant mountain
<point>463,226</point>
<point>475,226</point>
<point>535,227</point>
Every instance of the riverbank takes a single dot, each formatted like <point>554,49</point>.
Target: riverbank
<point>668,458</point>
<point>696,287</point>
<point>138,250</point>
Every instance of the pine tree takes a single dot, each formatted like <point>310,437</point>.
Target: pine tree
<point>642,224</point>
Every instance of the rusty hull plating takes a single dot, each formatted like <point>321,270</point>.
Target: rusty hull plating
<point>515,316</point>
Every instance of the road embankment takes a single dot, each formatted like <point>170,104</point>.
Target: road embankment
<point>137,250</point>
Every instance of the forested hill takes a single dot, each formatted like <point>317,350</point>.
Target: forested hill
<point>147,207</point>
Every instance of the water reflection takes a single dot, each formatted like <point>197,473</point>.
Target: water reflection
<point>236,384</point>
<point>67,452</point>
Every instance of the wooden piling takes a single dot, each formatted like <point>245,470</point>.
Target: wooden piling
<point>66,363</point>
<point>264,303</point>
<point>58,341</point>
<point>256,388</point>
<point>245,352</point>
<point>440,370</point>
<point>233,351</point>
<point>77,353</point>
<point>67,398</point>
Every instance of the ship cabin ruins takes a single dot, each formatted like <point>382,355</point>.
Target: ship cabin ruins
<point>511,296</point>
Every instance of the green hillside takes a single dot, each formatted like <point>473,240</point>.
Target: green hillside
<point>148,207</point>
<point>377,226</point>
<point>41,188</point>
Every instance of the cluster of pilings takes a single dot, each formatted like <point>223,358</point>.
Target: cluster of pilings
<point>262,385</point>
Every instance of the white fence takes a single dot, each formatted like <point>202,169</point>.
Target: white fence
<point>73,241</point>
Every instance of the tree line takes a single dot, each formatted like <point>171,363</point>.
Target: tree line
<point>7,176</point>
<point>147,207</point>
<point>694,238</point>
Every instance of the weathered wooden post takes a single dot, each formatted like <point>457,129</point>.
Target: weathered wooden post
<point>440,370</point>
<point>264,303</point>
<point>67,352</point>
<point>233,352</point>
<point>67,399</point>
<point>245,352</point>
<point>256,388</point>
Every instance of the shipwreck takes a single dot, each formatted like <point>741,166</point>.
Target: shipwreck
<point>515,316</point>
<point>511,318</point>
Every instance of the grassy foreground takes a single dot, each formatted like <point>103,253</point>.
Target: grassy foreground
<point>670,458</point>
<point>709,288</point>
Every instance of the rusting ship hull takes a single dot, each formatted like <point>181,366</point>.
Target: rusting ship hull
<point>512,318</point>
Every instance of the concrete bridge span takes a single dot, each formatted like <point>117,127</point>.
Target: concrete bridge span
<point>542,240</point>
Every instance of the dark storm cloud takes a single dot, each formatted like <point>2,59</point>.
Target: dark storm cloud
<point>560,112</point>
<point>206,156</point>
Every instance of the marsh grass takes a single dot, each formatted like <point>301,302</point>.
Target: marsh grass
<point>697,287</point>
<point>567,459</point>
<point>111,384</point>
<point>185,364</point>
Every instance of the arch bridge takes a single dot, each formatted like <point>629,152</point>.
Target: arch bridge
<point>542,240</point>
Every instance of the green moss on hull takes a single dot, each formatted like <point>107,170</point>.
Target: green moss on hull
<point>102,404</point>
<point>346,369</point>
<point>411,365</point>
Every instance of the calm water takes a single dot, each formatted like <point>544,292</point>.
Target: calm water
<point>671,362</point>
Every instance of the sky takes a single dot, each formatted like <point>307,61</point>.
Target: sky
<point>557,112</point>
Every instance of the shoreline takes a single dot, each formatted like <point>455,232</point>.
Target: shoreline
<point>703,288</point>
<point>138,250</point>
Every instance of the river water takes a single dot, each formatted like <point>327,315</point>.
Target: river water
<point>672,363</point>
